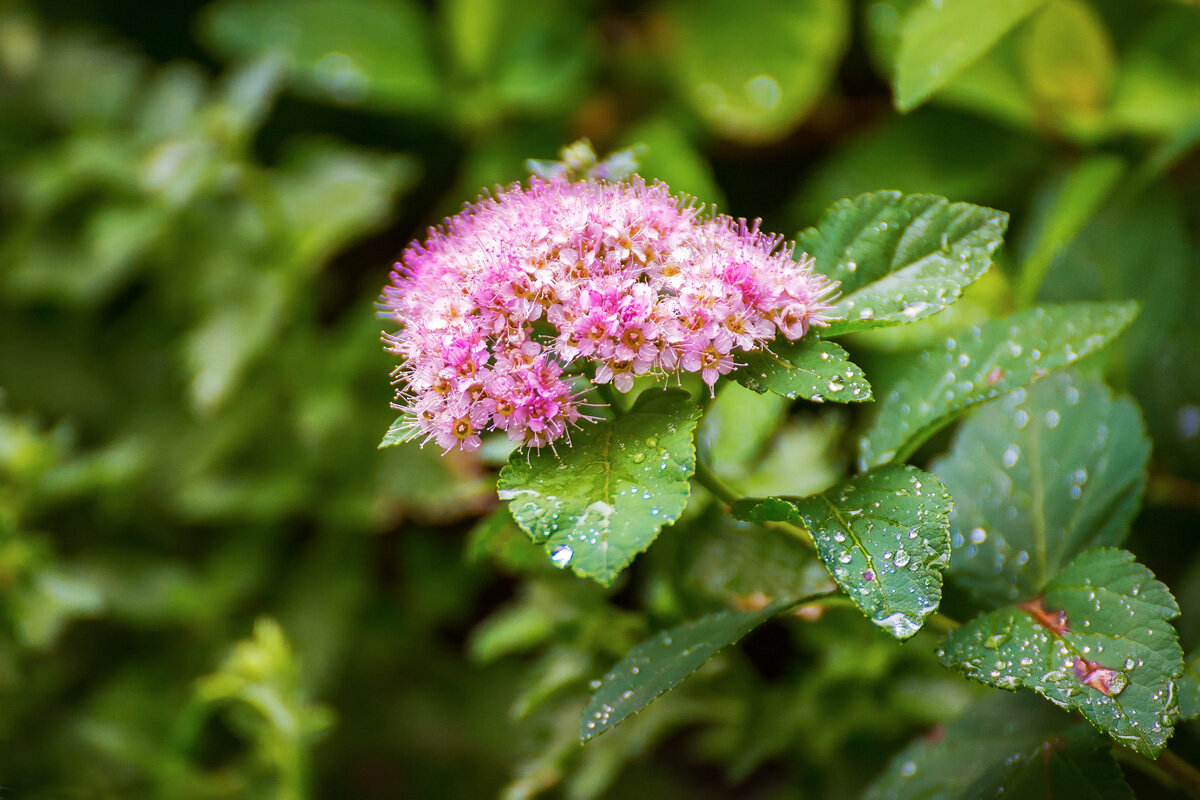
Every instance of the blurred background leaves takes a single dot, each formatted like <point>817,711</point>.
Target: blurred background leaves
<point>213,585</point>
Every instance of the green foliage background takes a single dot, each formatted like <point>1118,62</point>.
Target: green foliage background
<point>211,583</point>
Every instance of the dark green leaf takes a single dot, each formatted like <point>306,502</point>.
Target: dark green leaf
<point>900,258</point>
<point>1039,476</point>
<point>1189,687</point>
<point>1005,745</point>
<point>941,37</point>
<point>883,535</point>
<point>661,663</point>
<point>985,362</point>
<point>598,502</point>
<point>1097,640</point>
<point>811,368</point>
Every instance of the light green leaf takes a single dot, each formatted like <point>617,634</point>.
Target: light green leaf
<point>813,369</point>
<point>661,663</point>
<point>754,69</point>
<point>1005,745</point>
<point>739,426</point>
<point>1069,59</point>
<point>352,51</point>
<point>941,37</point>
<point>399,432</point>
<point>883,535</point>
<point>1189,687</point>
<point>985,362</point>
<point>900,258</point>
<point>598,502</point>
<point>1039,476</point>
<point>1097,640</point>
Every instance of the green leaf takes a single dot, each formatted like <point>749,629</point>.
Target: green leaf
<point>400,431</point>
<point>899,258</point>
<point>1069,59</point>
<point>752,70</point>
<point>1071,203</point>
<point>1005,745</point>
<point>811,368</point>
<point>747,565</point>
<point>1039,476</point>
<point>982,363</point>
<point>662,662</point>
<point>1097,641</point>
<point>1189,687</point>
<point>374,51</point>
<point>884,536</point>
<point>738,427</point>
<point>941,37</point>
<point>598,502</point>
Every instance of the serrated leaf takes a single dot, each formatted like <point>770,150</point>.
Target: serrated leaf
<point>884,536</point>
<point>1015,746</point>
<point>982,363</point>
<point>1041,475</point>
<point>1097,640</point>
<point>811,368</point>
<point>941,37</point>
<point>662,662</point>
<point>899,258</point>
<point>598,502</point>
<point>1188,687</point>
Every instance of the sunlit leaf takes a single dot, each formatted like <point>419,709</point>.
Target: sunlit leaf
<point>754,69</point>
<point>982,363</point>
<point>884,536</point>
<point>941,37</point>
<point>1097,640</point>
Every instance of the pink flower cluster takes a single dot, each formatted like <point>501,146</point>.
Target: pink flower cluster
<point>519,288</point>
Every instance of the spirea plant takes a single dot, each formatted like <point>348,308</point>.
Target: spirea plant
<point>634,353</point>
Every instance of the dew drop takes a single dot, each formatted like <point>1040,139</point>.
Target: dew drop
<point>562,556</point>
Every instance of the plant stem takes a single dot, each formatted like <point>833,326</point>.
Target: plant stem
<point>609,395</point>
<point>1169,769</point>
<point>710,480</point>
<point>942,623</point>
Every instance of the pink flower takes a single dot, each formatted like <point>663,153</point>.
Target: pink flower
<point>622,277</point>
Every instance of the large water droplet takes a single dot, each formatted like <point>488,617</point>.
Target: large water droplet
<point>562,556</point>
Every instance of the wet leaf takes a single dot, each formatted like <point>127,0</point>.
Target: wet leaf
<point>941,37</point>
<point>884,536</point>
<point>1039,476</point>
<point>1015,746</point>
<point>899,258</point>
<point>1097,640</point>
<point>985,362</point>
<point>811,368</point>
<point>598,502</point>
<point>661,663</point>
